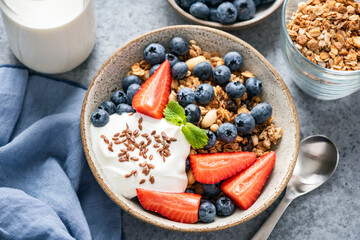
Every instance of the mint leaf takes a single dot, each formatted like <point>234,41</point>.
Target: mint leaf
<point>196,136</point>
<point>174,113</point>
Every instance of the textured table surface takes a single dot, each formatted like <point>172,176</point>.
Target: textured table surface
<point>330,212</point>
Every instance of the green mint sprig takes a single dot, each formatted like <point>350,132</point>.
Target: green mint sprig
<point>175,114</point>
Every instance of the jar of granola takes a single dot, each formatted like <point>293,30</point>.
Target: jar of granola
<point>320,42</point>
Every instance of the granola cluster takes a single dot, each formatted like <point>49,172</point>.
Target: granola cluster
<point>327,33</point>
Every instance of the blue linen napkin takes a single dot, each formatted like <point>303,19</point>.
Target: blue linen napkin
<point>46,188</point>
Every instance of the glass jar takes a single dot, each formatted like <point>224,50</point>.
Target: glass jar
<point>50,36</point>
<point>316,81</point>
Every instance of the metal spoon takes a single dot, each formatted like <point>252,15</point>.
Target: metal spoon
<point>317,161</point>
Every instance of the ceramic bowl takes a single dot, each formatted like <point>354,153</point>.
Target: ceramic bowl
<point>262,12</point>
<point>275,92</point>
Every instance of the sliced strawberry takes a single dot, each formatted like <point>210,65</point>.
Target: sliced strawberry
<point>153,95</point>
<point>214,167</point>
<point>179,207</point>
<point>245,187</point>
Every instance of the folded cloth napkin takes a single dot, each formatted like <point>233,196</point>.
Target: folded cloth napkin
<point>46,188</point>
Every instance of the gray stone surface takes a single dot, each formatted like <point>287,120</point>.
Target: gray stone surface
<point>331,212</point>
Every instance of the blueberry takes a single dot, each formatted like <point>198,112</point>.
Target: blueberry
<point>226,13</point>
<point>203,70</point>
<point>133,88</point>
<point>204,93</point>
<point>185,96</point>
<point>118,97</point>
<point>131,79</point>
<point>185,4</point>
<point>124,108</point>
<point>172,59</point>
<point>108,106</point>
<point>189,191</point>
<point>244,123</point>
<point>224,206</point>
<point>211,190</point>
<point>246,9</point>
<point>199,10</point>
<point>261,113</point>
<point>226,132</point>
<point>187,164</point>
<point>211,139</point>
<point>179,70</point>
<point>154,53</point>
<point>213,15</point>
<point>214,2</point>
<point>233,60</point>
<point>192,113</point>
<point>179,46</point>
<point>235,89</point>
<point>221,75</point>
<point>153,69</point>
<point>207,212</point>
<point>253,86</point>
<point>100,118</point>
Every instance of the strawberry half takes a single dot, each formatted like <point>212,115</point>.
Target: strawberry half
<point>179,207</point>
<point>213,167</point>
<point>245,187</point>
<point>153,95</point>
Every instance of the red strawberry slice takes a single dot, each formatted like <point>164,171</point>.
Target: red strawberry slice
<point>214,167</point>
<point>245,187</point>
<point>153,95</point>
<point>179,207</point>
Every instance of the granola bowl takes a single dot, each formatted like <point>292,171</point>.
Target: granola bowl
<point>262,12</point>
<point>315,79</point>
<point>109,78</point>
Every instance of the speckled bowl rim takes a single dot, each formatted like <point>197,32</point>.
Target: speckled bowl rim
<point>236,26</point>
<point>128,209</point>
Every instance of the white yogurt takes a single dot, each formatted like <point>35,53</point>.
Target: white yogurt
<point>50,36</point>
<point>169,176</point>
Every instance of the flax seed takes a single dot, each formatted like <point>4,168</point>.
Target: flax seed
<point>173,139</point>
<point>115,138</point>
<point>135,159</point>
<point>140,120</point>
<point>110,149</point>
<point>103,136</point>
<point>135,132</point>
<point>134,172</point>
<point>158,140</point>
<point>123,160</point>
<point>146,150</point>
<point>156,145</point>
<point>153,132</point>
<point>157,136</point>
<point>151,157</point>
<point>151,166</point>
<point>127,126</point>
<point>159,150</point>
<point>121,154</point>
<point>117,142</point>
<point>144,135</point>
<point>151,179</point>
<point>123,135</point>
<point>140,127</point>
<point>127,155</point>
<point>106,141</point>
<point>142,181</point>
<point>145,156</point>
<point>123,150</point>
<point>116,134</point>
<point>132,139</point>
<point>164,159</point>
<point>131,114</point>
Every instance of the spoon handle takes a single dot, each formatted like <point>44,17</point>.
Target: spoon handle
<point>264,231</point>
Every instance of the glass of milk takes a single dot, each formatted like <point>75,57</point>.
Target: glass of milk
<point>50,36</point>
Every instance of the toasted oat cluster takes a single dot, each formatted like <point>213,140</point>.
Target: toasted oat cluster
<point>327,33</point>
<point>222,108</point>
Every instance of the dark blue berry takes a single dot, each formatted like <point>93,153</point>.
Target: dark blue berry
<point>221,75</point>
<point>244,123</point>
<point>211,190</point>
<point>253,86</point>
<point>124,108</point>
<point>179,70</point>
<point>192,113</point>
<point>185,96</point>
<point>233,60</point>
<point>235,89</point>
<point>118,97</point>
<point>131,79</point>
<point>203,71</point>
<point>100,117</point>
<point>179,46</point>
<point>185,4</point>
<point>214,2</point>
<point>226,13</point>
<point>154,53</point>
<point>213,15</point>
<point>199,10</point>
<point>211,139</point>
<point>207,212</point>
<point>187,164</point>
<point>246,9</point>
<point>224,206</point>
<point>204,93</point>
<point>133,88</point>
<point>153,69</point>
<point>226,132</point>
<point>189,191</point>
<point>261,113</point>
<point>108,106</point>
<point>172,59</point>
